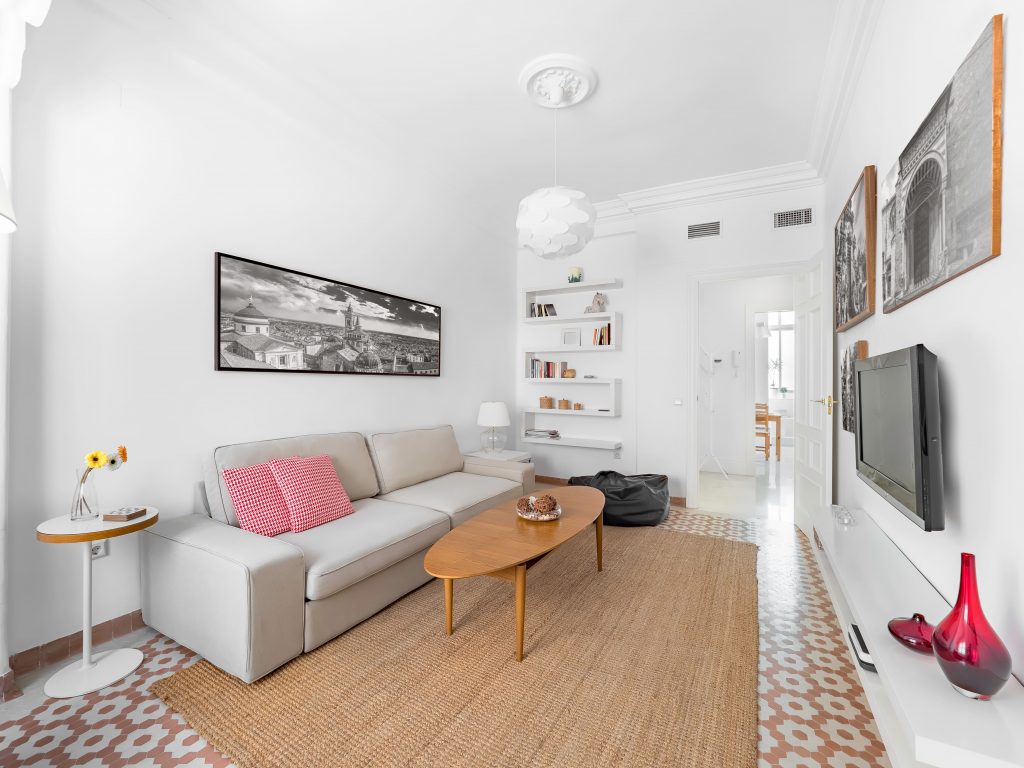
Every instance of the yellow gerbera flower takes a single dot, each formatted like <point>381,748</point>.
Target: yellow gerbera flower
<point>122,452</point>
<point>96,459</point>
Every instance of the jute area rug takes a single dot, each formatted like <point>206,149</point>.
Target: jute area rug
<point>651,663</point>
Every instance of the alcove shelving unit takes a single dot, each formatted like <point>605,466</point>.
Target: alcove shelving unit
<point>610,399</point>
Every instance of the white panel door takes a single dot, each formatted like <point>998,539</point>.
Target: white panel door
<point>813,406</point>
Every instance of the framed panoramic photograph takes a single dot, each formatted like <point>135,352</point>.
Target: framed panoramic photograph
<point>855,254</point>
<point>942,200</point>
<point>856,351</point>
<point>276,319</point>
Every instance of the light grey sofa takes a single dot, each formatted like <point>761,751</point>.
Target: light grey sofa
<point>250,603</point>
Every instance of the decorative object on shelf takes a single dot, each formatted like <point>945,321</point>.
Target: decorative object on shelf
<point>556,221</point>
<point>599,304</point>
<point>856,351</point>
<point>570,373</point>
<point>854,252</point>
<point>571,337</point>
<point>494,416</point>
<point>83,504</point>
<point>842,515</point>
<point>915,633</point>
<point>564,405</point>
<point>968,650</point>
<point>549,311</point>
<point>942,200</point>
<point>540,509</point>
<point>547,402</point>
<point>270,318</point>
<point>575,274</point>
<point>577,406</point>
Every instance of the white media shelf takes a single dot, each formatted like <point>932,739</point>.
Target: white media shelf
<point>571,350</point>
<point>922,720</point>
<point>581,287</point>
<point>576,442</point>
<point>586,317</point>
<point>570,412</point>
<point>561,380</point>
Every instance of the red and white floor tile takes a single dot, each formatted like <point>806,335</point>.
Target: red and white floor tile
<point>812,710</point>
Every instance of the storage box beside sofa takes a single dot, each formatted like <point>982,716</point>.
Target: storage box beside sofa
<point>249,603</point>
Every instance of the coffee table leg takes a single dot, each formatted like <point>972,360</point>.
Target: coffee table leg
<point>449,599</point>
<point>520,609</point>
<point>600,541</point>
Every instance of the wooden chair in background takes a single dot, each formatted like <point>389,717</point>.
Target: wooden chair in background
<point>762,435</point>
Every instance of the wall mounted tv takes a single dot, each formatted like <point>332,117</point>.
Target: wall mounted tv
<point>899,446</point>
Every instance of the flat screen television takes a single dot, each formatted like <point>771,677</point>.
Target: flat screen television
<point>899,445</point>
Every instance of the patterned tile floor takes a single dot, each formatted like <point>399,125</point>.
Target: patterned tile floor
<point>812,709</point>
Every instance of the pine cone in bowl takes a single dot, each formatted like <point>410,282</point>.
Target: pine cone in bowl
<point>523,505</point>
<point>545,504</point>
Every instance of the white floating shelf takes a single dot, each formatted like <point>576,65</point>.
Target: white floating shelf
<point>575,442</point>
<point>563,348</point>
<point>595,317</point>
<point>586,285</point>
<point>922,719</point>
<point>569,412</point>
<point>560,380</point>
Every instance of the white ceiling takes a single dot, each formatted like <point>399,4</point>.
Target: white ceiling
<point>686,89</point>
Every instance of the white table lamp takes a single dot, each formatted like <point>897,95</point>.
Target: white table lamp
<point>494,416</point>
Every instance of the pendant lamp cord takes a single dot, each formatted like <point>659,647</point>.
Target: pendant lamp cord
<point>555,146</point>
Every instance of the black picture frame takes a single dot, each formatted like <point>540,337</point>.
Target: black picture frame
<point>246,339</point>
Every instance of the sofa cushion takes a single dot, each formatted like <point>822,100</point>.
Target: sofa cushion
<point>459,495</point>
<point>257,499</point>
<point>311,490</point>
<point>347,550</point>
<point>406,458</point>
<point>347,451</point>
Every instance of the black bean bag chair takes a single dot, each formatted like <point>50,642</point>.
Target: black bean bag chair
<point>629,499</point>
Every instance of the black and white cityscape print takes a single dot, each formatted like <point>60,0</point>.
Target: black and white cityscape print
<point>854,255</point>
<point>937,201</point>
<point>274,319</point>
<point>856,351</point>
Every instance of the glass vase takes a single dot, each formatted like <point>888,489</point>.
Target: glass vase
<point>969,651</point>
<point>84,503</point>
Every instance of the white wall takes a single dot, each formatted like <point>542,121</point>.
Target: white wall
<point>135,164</point>
<point>657,263</point>
<point>726,315</point>
<point>972,323</point>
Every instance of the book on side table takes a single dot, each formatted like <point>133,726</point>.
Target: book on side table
<point>123,514</point>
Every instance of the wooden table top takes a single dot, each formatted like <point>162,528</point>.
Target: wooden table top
<point>64,530</point>
<point>498,538</point>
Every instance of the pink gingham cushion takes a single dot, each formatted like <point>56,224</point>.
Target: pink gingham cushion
<point>311,490</point>
<point>259,503</point>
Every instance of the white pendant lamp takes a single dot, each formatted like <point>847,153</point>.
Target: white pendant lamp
<point>556,221</point>
<point>8,223</point>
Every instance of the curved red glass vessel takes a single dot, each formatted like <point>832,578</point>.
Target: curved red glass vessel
<point>915,633</point>
<point>969,651</point>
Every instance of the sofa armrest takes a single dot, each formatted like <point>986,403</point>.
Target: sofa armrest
<point>233,597</point>
<point>521,472</point>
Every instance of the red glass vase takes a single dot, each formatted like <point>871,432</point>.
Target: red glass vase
<point>915,633</point>
<point>969,651</point>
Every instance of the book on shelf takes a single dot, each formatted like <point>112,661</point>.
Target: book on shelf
<point>603,335</point>
<point>544,369</point>
<point>542,310</point>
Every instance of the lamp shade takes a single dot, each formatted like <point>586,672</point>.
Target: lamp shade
<point>555,221</point>
<point>493,414</point>
<point>7,221</point>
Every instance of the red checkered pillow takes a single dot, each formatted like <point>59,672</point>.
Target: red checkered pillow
<point>311,490</point>
<point>259,504</point>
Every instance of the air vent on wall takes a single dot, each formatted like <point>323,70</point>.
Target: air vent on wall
<point>708,229</point>
<point>793,218</point>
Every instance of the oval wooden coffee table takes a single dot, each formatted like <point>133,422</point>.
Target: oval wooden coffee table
<point>499,543</point>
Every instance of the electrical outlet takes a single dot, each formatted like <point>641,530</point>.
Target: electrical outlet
<point>617,454</point>
<point>100,549</point>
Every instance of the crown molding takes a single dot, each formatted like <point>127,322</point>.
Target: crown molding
<point>759,181</point>
<point>613,218</point>
<point>852,31</point>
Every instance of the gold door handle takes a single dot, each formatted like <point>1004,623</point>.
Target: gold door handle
<point>826,401</point>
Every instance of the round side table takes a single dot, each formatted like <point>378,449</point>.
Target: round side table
<point>98,670</point>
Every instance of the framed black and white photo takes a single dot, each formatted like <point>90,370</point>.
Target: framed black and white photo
<point>942,200</point>
<point>856,351</point>
<point>855,254</point>
<point>571,337</point>
<point>272,318</point>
